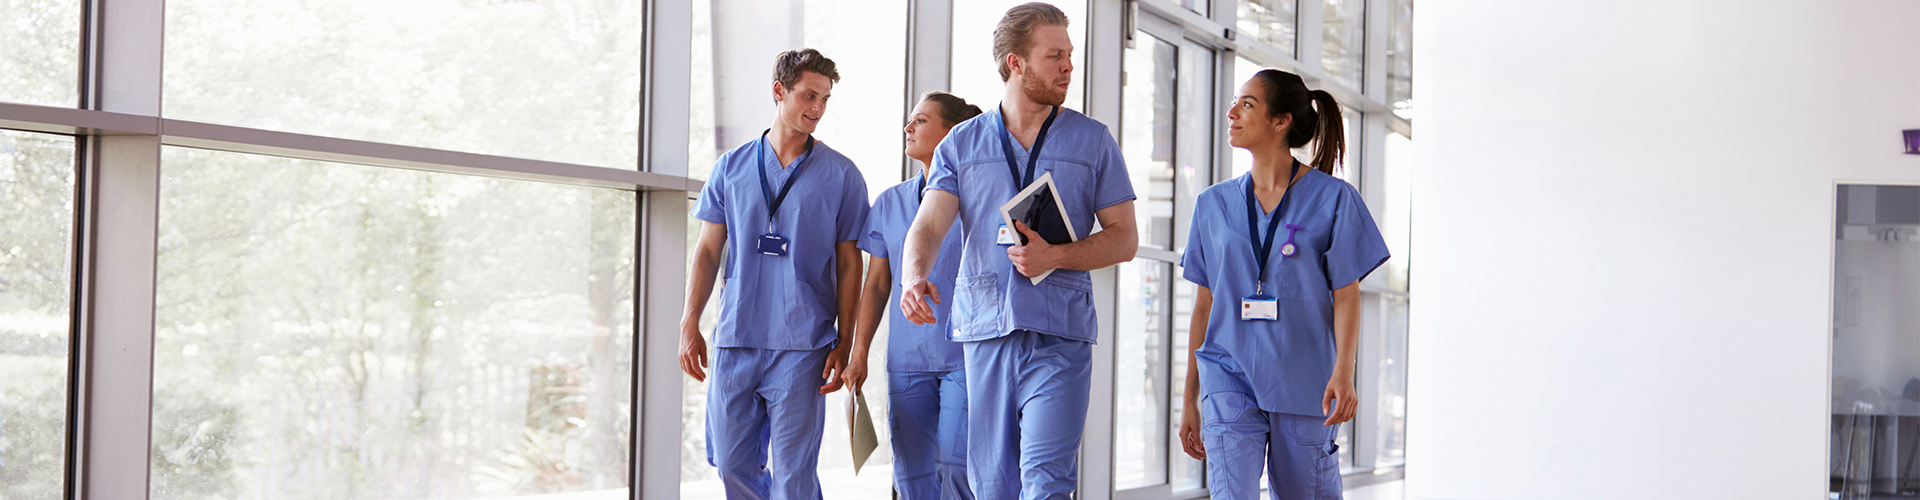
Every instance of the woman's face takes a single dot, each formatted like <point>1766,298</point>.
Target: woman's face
<point>1249,124</point>
<point>924,130</point>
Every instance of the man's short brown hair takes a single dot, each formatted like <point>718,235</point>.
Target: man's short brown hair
<point>1014,34</point>
<point>790,65</point>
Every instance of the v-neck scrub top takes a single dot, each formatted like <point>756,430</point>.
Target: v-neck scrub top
<point>782,302</point>
<point>991,299</point>
<point>1284,364</point>
<point>911,347</point>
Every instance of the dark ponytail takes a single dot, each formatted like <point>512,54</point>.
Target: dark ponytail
<point>953,109</point>
<point>1316,117</point>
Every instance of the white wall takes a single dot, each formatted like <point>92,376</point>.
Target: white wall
<point>1623,215</point>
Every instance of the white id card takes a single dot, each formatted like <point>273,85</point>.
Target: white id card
<point>1005,237</point>
<point>1259,308</point>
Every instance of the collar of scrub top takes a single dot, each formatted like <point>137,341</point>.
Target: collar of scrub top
<point>1006,146</point>
<point>1261,247</point>
<point>766,190</point>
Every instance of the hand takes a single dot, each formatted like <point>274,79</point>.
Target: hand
<point>913,301</point>
<point>855,374</point>
<point>1190,432</point>
<point>1034,258</point>
<point>1340,391</point>
<point>693,351</point>
<point>836,363</point>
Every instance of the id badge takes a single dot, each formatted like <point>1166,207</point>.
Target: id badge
<point>773,244</point>
<point>1259,308</point>
<point>1005,237</point>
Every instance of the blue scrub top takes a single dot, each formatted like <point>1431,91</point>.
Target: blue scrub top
<point>1284,364</point>
<point>991,299</point>
<point>788,302</point>
<point>911,347</point>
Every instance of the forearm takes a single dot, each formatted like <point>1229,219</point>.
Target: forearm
<point>847,269</point>
<point>1112,245</point>
<point>1346,329</point>
<point>930,226</point>
<point>873,304</point>
<point>706,264</point>
<point>1197,334</point>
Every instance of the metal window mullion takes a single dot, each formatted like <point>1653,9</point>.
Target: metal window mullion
<point>1373,65</point>
<point>1104,64</point>
<point>1309,32</point>
<point>662,270</point>
<point>929,57</point>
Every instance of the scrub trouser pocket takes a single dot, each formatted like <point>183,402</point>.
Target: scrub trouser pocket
<point>762,397</point>
<point>928,415</point>
<point>1026,409</point>
<point>1301,460</point>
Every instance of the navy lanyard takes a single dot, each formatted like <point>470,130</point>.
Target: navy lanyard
<point>760,165</point>
<point>922,193</point>
<point>1262,247</point>
<point>1006,145</point>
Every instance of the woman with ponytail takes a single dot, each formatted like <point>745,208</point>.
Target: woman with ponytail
<point>1277,255</point>
<point>926,376</point>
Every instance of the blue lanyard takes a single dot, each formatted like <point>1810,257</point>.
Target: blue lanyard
<point>766,190</point>
<point>921,194</point>
<point>1262,247</point>
<point>1006,146</point>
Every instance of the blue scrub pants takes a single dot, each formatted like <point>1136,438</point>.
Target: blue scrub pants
<point>928,413</point>
<point>1026,409</point>
<point>762,396</point>
<point>1302,461</point>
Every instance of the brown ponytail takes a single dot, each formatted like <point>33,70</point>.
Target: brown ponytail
<point>1316,117</point>
<point>953,109</point>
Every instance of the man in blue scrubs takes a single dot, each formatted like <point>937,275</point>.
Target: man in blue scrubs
<point>1027,347</point>
<point>792,208</point>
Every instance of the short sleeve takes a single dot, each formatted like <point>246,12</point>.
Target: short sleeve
<point>1111,185</point>
<point>852,222</point>
<point>712,205</point>
<point>1357,247</point>
<point>1193,262</point>
<point>875,240</point>
<point>945,157</point>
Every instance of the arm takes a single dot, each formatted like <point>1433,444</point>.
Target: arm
<point>930,226</point>
<point>846,266</point>
<point>706,261</point>
<point>873,305</point>
<point>1116,242</point>
<point>1346,339</point>
<point>1190,415</point>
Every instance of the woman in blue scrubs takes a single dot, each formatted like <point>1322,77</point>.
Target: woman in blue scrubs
<point>1278,254</point>
<point>926,378</point>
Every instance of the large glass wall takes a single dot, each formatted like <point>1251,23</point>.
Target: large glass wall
<point>36,249</point>
<point>41,60</point>
<point>976,75</point>
<point>445,74</point>
<point>335,331</point>
<point>1272,22</point>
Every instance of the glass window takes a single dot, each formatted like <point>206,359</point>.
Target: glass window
<point>1140,443</point>
<point>976,75</point>
<point>556,80</point>
<point>1198,118</point>
<point>335,331</point>
<point>864,118</point>
<point>36,248</point>
<point>1147,134</point>
<point>41,62</point>
<point>1396,217</point>
<point>1343,41</point>
<point>1271,22</point>
<point>1187,473</point>
<point>1400,57</point>
<point>1390,403</point>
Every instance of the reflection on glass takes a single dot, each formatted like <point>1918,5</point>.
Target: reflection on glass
<point>732,99</point>
<point>555,80</point>
<point>1195,147</point>
<point>1390,403</point>
<point>40,61</point>
<point>1147,134</point>
<point>1876,346</point>
<point>1186,472</point>
<point>334,331</point>
<point>1271,22</point>
<point>1400,57</point>
<point>1397,214</point>
<point>36,245</point>
<point>1343,40</point>
<point>1141,376</point>
<point>976,76</point>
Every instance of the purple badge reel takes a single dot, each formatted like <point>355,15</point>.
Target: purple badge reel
<point>1289,249</point>
<point>1913,141</point>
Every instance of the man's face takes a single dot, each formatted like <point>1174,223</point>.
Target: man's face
<point>1047,69</point>
<point>801,107</point>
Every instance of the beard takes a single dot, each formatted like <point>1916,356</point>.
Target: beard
<point>1041,91</point>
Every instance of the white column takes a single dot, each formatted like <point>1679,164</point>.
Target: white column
<point>660,284</point>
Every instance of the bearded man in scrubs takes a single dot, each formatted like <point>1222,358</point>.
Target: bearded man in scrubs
<point>792,208</point>
<point>1027,347</point>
